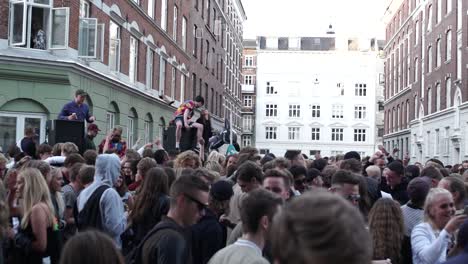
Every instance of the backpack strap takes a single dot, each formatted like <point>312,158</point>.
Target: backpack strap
<point>90,215</point>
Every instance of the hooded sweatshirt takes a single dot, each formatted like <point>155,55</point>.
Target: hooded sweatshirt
<point>111,206</point>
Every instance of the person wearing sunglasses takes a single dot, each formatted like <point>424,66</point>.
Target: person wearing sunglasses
<point>167,242</point>
<point>346,184</point>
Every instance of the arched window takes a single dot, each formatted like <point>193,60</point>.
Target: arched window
<point>448,50</point>
<point>429,59</point>
<point>398,118</point>
<point>416,70</point>
<point>132,127</point>
<point>448,92</point>
<point>149,128</point>
<point>407,113</point>
<point>416,107</point>
<point>437,97</point>
<point>438,55</point>
<point>429,101</point>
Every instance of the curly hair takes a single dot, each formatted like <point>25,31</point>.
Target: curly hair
<point>387,230</point>
<point>184,156</point>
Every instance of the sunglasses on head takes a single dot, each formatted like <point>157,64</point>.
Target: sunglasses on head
<point>201,206</point>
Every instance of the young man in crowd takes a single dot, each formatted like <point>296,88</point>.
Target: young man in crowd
<point>346,184</point>
<point>182,118</point>
<point>457,188</point>
<point>335,235</point>
<point>114,143</point>
<point>258,209</point>
<point>167,242</point>
<point>92,132</point>
<point>209,235</point>
<point>395,182</point>
<point>295,158</point>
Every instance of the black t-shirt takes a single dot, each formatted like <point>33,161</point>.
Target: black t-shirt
<point>29,147</point>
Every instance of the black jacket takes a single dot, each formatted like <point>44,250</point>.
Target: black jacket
<point>208,236</point>
<point>399,192</point>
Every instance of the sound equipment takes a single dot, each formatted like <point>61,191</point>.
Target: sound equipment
<point>188,140</point>
<point>61,131</point>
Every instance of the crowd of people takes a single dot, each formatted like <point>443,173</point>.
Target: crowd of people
<point>148,206</point>
<point>129,204</point>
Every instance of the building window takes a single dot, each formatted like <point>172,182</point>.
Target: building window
<point>133,65</point>
<point>270,89</point>
<point>438,54</point>
<point>247,100</point>
<point>429,18</point>
<point>416,70</point>
<point>271,132</point>
<point>182,88</point>
<point>359,112</point>
<point>114,47</point>
<point>437,96</point>
<point>360,89</point>
<point>173,82</point>
<point>449,6</point>
<point>359,135</point>
<point>429,59</point>
<point>416,30</point>
<point>337,134</point>
<point>12,126</point>
<point>437,143</point>
<point>174,24</point>
<point>249,61</point>
<point>294,110</point>
<point>337,111</point>
<point>293,133</point>
<point>246,140</point>
<point>247,123</point>
<point>148,127</point>
<point>130,130</point>
<point>110,121</point>
<point>448,92</point>
<point>439,11</point>
<point>264,151</point>
<point>184,33</point>
<point>448,39</point>
<point>315,134</point>
<point>195,41</point>
<point>162,75</point>
<point>149,69</point>
<point>84,9</point>
<point>248,80</point>
<point>429,101</point>
<point>164,14</point>
<point>271,110</point>
<point>315,111</point>
<point>151,8</point>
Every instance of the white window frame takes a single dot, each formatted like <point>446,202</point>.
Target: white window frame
<point>337,134</point>
<point>247,122</point>
<point>173,82</point>
<point>20,124</point>
<point>66,33</point>
<point>270,89</point>
<point>248,79</point>
<point>248,100</point>
<point>429,18</point>
<point>315,134</point>
<point>162,75</point>
<point>360,89</point>
<point>294,111</point>
<point>438,52</point>
<point>271,133</point>
<point>148,130</point>
<point>429,59</point>
<point>117,42</point>
<point>174,23</point>
<point>182,87</point>
<point>448,92</point>
<point>437,142</point>
<point>164,15</point>
<point>360,135</point>
<point>149,68</point>
<point>110,121</point>
<point>360,112</point>
<point>437,96</point>
<point>337,111</point>
<point>315,111</point>
<point>271,110</point>
<point>249,61</point>
<point>439,11</point>
<point>448,6</point>
<point>151,8</point>
<point>184,33</point>
<point>246,140</point>
<point>133,60</point>
<point>294,133</point>
<point>87,30</point>
<point>448,47</point>
<point>130,128</point>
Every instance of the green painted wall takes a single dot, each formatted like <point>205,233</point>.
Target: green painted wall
<point>24,88</point>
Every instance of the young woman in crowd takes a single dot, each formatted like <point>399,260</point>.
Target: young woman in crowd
<point>38,236</point>
<point>431,239</point>
<point>386,228</point>
<point>151,203</point>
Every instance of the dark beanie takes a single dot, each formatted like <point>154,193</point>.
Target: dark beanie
<point>221,191</point>
<point>417,189</point>
<point>352,155</point>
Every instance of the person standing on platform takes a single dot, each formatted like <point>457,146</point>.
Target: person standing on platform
<point>205,120</point>
<point>182,118</point>
<point>77,110</point>
<point>93,130</point>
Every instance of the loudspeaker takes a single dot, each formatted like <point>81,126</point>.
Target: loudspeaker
<point>188,140</point>
<point>61,131</point>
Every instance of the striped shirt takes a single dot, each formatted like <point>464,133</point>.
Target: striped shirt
<point>412,216</point>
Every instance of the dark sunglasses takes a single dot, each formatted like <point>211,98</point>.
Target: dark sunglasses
<point>353,197</point>
<point>299,182</point>
<point>201,206</point>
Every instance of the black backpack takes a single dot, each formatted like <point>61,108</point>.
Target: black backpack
<point>134,256</point>
<point>90,216</point>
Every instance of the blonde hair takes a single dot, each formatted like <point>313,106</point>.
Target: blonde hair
<point>69,148</point>
<point>432,196</point>
<point>35,191</point>
<point>186,155</point>
<point>216,156</point>
<point>58,195</point>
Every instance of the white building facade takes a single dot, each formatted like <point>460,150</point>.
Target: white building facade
<point>316,94</point>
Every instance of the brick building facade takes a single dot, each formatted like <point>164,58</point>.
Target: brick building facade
<point>425,80</point>
<point>249,90</point>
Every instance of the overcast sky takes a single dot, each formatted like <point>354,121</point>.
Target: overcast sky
<point>311,17</point>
